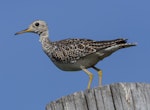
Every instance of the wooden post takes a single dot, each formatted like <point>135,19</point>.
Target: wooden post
<point>119,96</point>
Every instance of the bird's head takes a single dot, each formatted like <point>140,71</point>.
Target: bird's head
<point>37,27</point>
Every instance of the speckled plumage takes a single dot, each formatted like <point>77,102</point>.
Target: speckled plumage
<point>76,54</point>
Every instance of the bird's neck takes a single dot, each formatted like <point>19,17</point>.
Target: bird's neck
<point>46,43</point>
<point>44,37</point>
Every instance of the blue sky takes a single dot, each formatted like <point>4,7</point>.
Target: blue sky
<point>29,80</point>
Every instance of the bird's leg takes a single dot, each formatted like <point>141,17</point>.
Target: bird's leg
<point>99,75</point>
<point>90,77</point>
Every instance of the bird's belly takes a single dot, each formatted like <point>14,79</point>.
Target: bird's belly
<point>73,66</point>
<point>68,67</point>
<point>86,62</point>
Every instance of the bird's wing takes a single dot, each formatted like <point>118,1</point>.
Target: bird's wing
<point>70,50</point>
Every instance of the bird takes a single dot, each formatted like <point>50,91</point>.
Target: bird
<point>75,54</point>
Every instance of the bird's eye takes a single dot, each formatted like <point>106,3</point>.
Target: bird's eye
<point>37,24</point>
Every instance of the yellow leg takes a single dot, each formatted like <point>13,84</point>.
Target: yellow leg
<point>90,77</point>
<point>99,75</point>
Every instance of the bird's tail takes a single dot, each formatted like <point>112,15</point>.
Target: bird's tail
<point>123,43</point>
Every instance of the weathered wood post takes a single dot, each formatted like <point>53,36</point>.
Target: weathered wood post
<point>119,96</point>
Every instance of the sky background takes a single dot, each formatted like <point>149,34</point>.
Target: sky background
<point>29,80</point>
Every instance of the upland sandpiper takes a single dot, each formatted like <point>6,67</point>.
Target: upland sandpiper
<point>76,54</point>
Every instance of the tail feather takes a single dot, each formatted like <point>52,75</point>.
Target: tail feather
<point>120,41</point>
<point>125,45</point>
